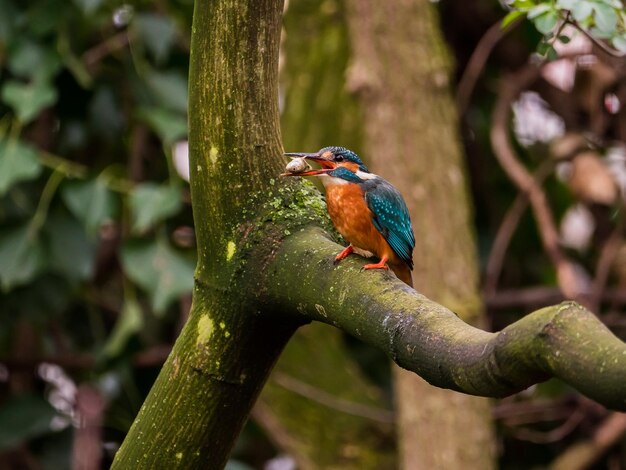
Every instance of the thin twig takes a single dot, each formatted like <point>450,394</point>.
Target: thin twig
<point>556,434</point>
<point>608,50</point>
<point>507,229</point>
<point>152,357</point>
<point>603,266</point>
<point>541,295</point>
<point>584,453</point>
<point>331,401</point>
<point>94,55</point>
<point>477,61</point>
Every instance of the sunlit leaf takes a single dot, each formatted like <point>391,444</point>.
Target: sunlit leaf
<point>18,162</point>
<point>28,99</point>
<point>164,273</point>
<point>168,125</point>
<point>66,235</point>
<point>523,4</point>
<point>22,418</point>
<point>21,256</point>
<point>91,201</point>
<point>511,17</point>
<point>157,33</point>
<point>151,203</point>
<point>129,322</point>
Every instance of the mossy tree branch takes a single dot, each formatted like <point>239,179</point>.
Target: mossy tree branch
<point>565,341</point>
<point>262,272</point>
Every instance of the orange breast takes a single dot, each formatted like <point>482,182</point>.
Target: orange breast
<point>353,219</point>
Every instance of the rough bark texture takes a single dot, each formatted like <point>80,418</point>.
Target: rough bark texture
<point>401,70</point>
<point>316,382</point>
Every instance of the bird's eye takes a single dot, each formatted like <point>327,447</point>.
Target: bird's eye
<point>338,158</point>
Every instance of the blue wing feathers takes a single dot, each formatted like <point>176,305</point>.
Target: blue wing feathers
<point>391,217</point>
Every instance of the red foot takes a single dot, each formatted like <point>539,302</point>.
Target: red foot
<point>382,264</point>
<point>344,253</point>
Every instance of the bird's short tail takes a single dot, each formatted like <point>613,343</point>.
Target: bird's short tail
<point>403,272</point>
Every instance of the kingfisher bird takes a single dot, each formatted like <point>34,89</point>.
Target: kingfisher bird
<point>367,210</point>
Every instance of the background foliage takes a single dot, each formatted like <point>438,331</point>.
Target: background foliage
<point>96,237</point>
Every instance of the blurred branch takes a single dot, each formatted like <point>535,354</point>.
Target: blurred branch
<point>327,399</point>
<point>507,230</point>
<point>506,155</point>
<point>152,357</point>
<point>87,446</point>
<point>585,453</point>
<point>556,434</point>
<point>602,46</point>
<point>541,295</point>
<point>603,267</point>
<point>93,56</point>
<point>477,61</point>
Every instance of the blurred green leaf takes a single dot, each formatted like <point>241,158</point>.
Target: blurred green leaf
<point>27,59</point>
<point>523,4</point>
<point>581,11</point>
<point>66,235</point>
<point>568,4</point>
<point>236,465</point>
<point>28,99</point>
<point>105,113</point>
<point>511,17</point>
<point>619,43</point>
<point>169,89</point>
<point>546,22</point>
<point>168,125</point>
<point>91,201</point>
<point>56,450</point>
<point>21,256</point>
<point>129,322</point>
<point>158,269</point>
<point>18,162</point>
<point>539,10</point>
<point>22,418</point>
<point>45,16</point>
<point>6,20</point>
<point>88,6</point>
<point>157,33</point>
<point>605,17</point>
<point>151,203</point>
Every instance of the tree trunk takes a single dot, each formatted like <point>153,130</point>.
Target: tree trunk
<point>226,350</point>
<point>401,70</point>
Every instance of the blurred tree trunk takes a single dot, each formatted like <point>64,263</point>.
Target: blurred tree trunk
<point>312,386</point>
<point>401,71</point>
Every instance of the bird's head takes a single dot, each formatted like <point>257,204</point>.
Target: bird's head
<point>333,160</point>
